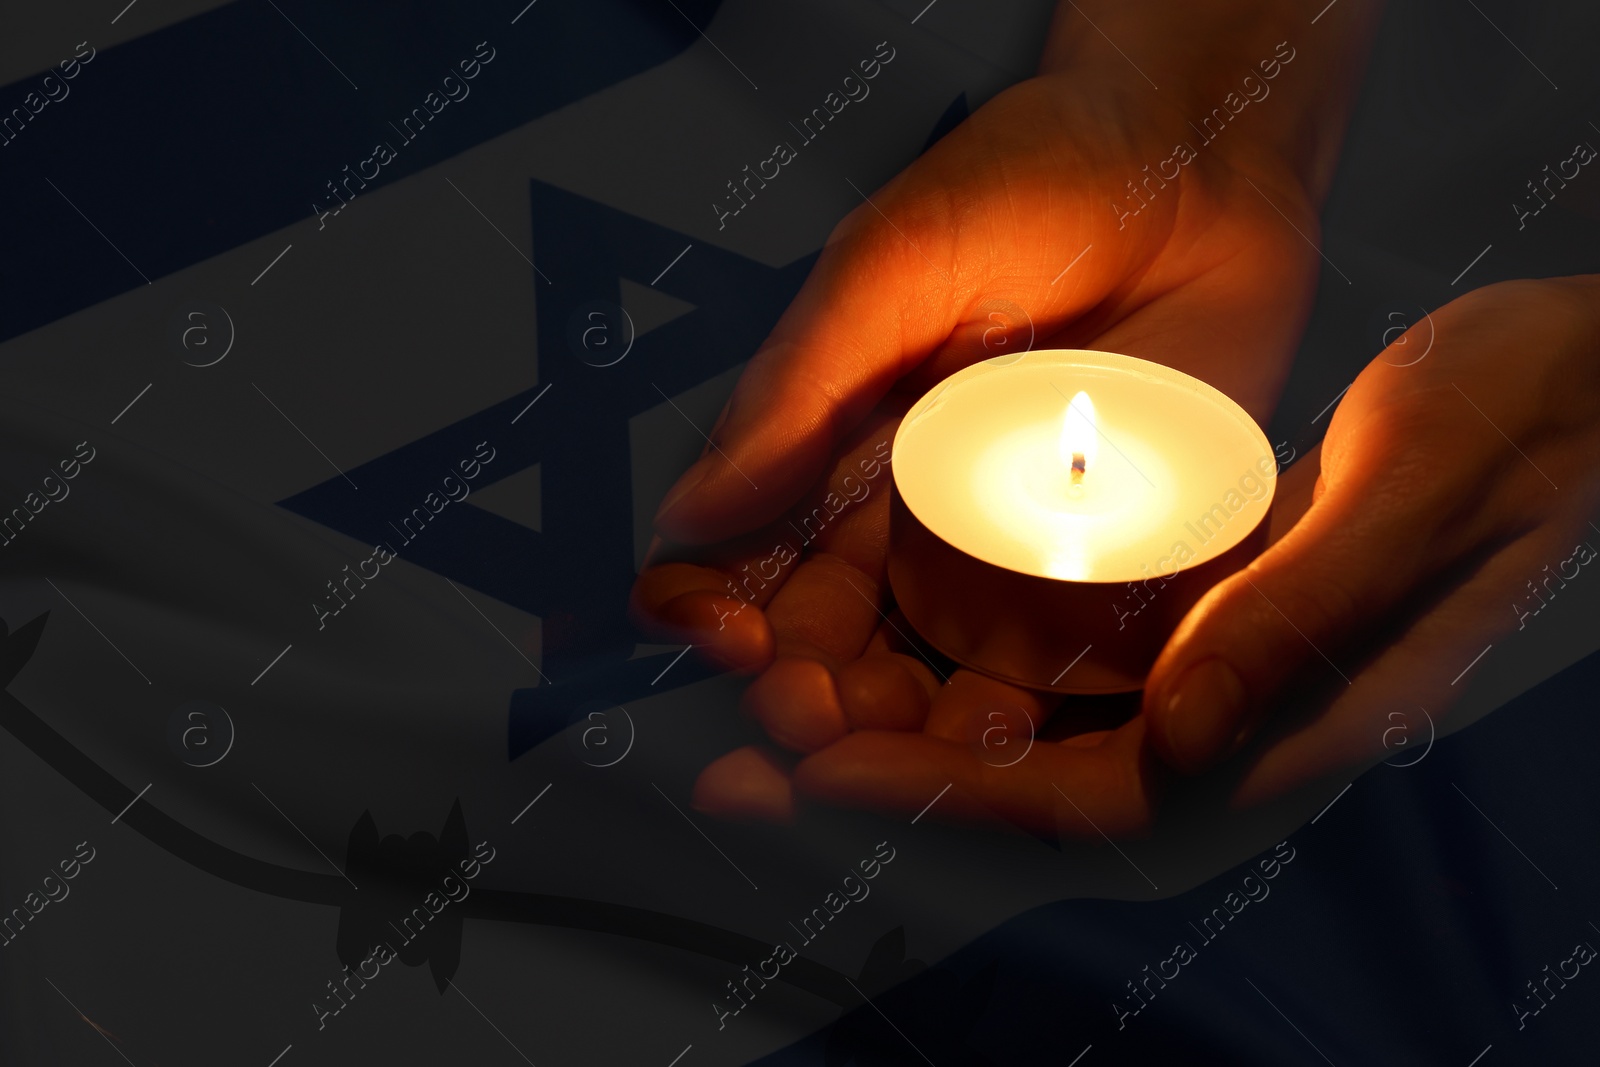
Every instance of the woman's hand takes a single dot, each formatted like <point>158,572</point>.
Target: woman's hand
<point>1451,489</point>
<point>1078,209</point>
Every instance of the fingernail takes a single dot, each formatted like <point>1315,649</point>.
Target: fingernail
<point>725,630</point>
<point>1204,714</point>
<point>687,484</point>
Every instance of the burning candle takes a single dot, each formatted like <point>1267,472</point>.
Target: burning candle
<point>1055,514</point>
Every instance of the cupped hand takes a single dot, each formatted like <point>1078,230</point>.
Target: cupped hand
<point>1016,230</point>
<point>1454,499</point>
<point>1456,495</point>
<point>1043,219</point>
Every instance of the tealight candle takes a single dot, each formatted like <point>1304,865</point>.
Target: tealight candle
<point>1054,514</point>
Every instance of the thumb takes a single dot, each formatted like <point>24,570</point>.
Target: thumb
<point>1387,521</point>
<point>834,354</point>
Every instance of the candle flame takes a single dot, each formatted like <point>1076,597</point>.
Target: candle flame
<point>1078,435</point>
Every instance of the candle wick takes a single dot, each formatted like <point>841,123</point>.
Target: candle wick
<point>1079,465</point>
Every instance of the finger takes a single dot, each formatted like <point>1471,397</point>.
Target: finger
<point>827,611</point>
<point>826,607</point>
<point>1487,470</point>
<point>834,354</point>
<point>804,706</point>
<point>1297,489</point>
<point>1076,791</point>
<point>976,709</point>
<point>886,691</point>
<point>713,605</point>
<point>1402,701</point>
<point>749,783</point>
<point>699,595</point>
<point>797,703</point>
<point>1388,522</point>
<point>821,621</point>
<point>825,615</point>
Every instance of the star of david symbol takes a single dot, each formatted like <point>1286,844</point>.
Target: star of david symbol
<point>576,570</point>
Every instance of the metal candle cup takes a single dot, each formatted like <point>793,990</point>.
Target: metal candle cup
<point>1054,514</point>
